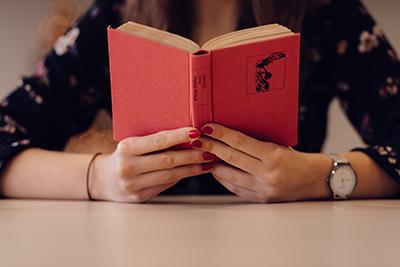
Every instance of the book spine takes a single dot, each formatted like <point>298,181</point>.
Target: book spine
<point>200,89</point>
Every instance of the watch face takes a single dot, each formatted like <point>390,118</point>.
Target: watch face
<point>343,181</point>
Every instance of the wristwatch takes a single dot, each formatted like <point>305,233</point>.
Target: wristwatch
<point>342,179</point>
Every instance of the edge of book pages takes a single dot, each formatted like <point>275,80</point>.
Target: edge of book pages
<point>250,35</point>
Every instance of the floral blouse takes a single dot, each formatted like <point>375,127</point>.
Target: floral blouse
<point>344,55</point>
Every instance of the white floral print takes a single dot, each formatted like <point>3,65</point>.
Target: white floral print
<point>8,120</point>
<point>66,41</point>
<point>343,86</point>
<point>392,54</point>
<point>390,88</point>
<point>388,152</point>
<point>8,128</point>
<point>38,99</point>
<point>369,40</point>
<point>23,142</point>
<point>341,47</point>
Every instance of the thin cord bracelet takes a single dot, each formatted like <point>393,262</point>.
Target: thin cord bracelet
<point>88,174</point>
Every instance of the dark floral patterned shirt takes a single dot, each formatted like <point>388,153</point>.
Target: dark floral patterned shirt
<point>344,55</point>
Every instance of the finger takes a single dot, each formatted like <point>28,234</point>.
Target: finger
<point>230,155</point>
<point>163,177</point>
<point>169,160</point>
<point>158,141</point>
<point>239,191</point>
<point>235,139</point>
<point>236,177</point>
<point>148,193</point>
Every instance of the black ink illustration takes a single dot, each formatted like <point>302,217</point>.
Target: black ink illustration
<point>262,74</point>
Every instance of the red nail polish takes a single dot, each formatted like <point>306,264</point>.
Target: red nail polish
<point>208,156</point>
<point>193,134</point>
<point>196,144</point>
<point>207,166</point>
<point>207,130</point>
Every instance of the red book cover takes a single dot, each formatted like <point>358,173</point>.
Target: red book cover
<point>250,87</point>
<point>255,88</point>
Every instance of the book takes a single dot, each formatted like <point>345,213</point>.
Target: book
<point>245,80</point>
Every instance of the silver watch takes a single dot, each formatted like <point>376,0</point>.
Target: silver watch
<point>342,179</point>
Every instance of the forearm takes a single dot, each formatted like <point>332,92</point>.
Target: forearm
<point>372,181</point>
<point>37,173</point>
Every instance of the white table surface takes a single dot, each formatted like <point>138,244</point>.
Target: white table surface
<point>199,231</point>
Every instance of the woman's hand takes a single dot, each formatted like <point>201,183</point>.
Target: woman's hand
<point>261,171</point>
<point>134,173</point>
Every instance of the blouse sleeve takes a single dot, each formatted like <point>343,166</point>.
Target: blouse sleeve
<point>366,71</point>
<point>69,87</point>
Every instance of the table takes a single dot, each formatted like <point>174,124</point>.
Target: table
<point>199,231</point>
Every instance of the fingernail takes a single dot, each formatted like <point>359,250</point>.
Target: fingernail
<point>208,156</point>
<point>207,166</point>
<point>193,134</point>
<point>207,130</point>
<point>196,144</point>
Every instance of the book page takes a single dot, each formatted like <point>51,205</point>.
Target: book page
<point>160,36</point>
<point>250,35</point>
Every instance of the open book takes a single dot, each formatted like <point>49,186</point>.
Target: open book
<point>246,80</point>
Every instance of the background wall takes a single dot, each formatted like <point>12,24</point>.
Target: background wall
<point>18,27</point>
<point>18,46</point>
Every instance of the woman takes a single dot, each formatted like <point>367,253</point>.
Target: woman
<point>344,55</point>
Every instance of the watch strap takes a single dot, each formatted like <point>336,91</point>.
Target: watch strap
<point>339,159</point>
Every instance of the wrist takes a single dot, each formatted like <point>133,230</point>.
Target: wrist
<point>95,177</point>
<point>318,169</point>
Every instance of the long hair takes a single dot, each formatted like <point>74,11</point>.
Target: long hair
<point>177,16</point>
